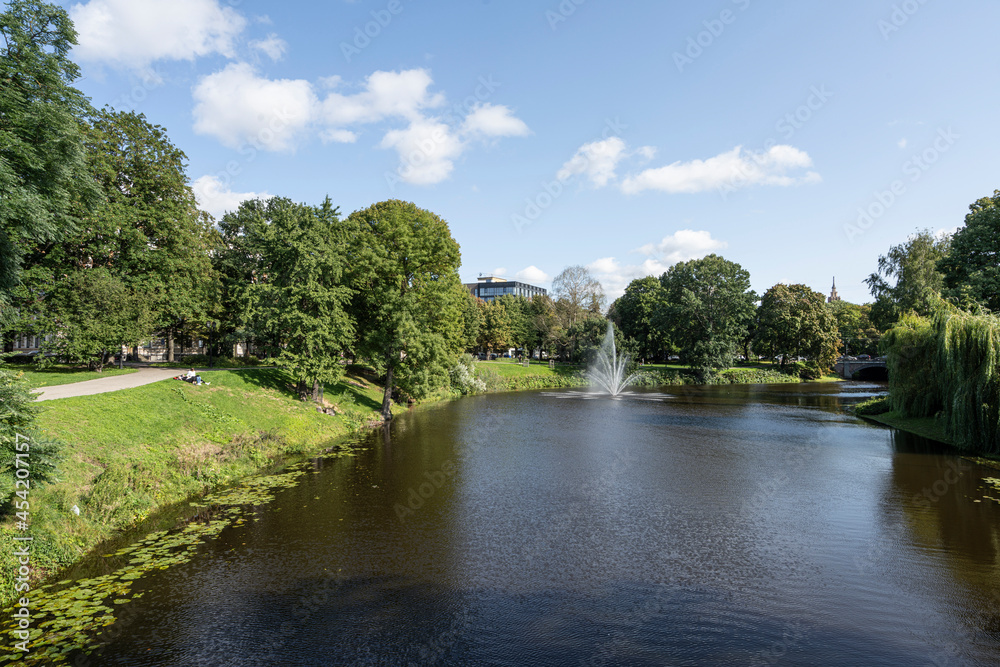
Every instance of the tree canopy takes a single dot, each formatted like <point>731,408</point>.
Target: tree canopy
<point>971,268</point>
<point>404,266</point>
<point>793,321</point>
<point>707,306</point>
<point>44,176</point>
<point>907,278</point>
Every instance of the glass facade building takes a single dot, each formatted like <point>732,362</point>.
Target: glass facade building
<point>491,287</point>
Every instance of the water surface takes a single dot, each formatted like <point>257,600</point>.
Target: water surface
<point>702,526</point>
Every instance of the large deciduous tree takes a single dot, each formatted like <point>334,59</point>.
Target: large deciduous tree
<point>908,279</point>
<point>633,313</point>
<point>404,266</point>
<point>294,259</point>
<point>972,266</point>
<point>44,176</point>
<point>707,306</point>
<point>793,320</point>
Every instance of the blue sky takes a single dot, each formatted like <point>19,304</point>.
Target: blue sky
<point>798,140</point>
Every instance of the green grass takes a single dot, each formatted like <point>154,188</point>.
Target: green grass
<point>928,427</point>
<point>63,374</point>
<point>131,452</point>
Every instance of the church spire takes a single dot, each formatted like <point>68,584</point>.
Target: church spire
<point>833,292</point>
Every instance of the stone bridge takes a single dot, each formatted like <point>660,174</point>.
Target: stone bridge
<point>867,369</point>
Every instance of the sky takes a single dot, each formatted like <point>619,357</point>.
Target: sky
<point>800,140</point>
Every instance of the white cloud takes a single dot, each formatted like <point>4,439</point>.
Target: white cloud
<point>902,142</point>
<point>733,169</point>
<point>615,277</point>
<point>216,198</point>
<point>683,245</point>
<point>597,160</point>
<point>338,136</point>
<point>386,94</point>
<point>427,151</point>
<point>494,120</point>
<point>134,33</point>
<point>274,47</point>
<point>236,106</point>
<point>533,276</point>
<point>502,271</point>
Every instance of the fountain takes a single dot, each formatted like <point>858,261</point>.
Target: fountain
<point>608,369</point>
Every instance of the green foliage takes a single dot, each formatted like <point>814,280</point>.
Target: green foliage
<point>496,332</point>
<point>971,270</point>
<point>19,434</point>
<point>463,376</point>
<point>408,300</point>
<point>969,365</point>
<point>854,327</point>
<point>44,180</point>
<point>949,366</point>
<point>753,376</point>
<point>95,314</point>
<point>633,313</point>
<point>706,309</point>
<point>917,281</point>
<point>579,293</point>
<point>876,405</point>
<point>793,321</point>
<point>911,355</point>
<point>296,293</point>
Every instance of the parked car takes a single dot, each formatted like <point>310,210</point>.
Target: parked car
<point>864,357</point>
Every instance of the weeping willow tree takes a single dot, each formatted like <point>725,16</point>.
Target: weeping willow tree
<point>968,363</point>
<point>949,367</point>
<point>911,356</point>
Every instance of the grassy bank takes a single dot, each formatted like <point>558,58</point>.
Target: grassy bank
<point>63,374</point>
<point>927,427</point>
<point>130,452</point>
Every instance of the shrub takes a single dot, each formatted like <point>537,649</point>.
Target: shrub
<point>876,405</point>
<point>463,376</point>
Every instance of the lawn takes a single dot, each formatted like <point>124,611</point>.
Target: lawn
<point>64,374</point>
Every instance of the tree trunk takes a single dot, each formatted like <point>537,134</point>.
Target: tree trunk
<point>317,391</point>
<point>387,396</point>
<point>170,343</point>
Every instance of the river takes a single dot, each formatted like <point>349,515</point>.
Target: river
<point>723,525</point>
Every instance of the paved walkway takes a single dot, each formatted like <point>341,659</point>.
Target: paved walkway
<point>104,385</point>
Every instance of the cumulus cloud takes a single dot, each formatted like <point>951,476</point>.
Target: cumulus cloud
<point>239,107</point>
<point>134,33</point>
<point>683,245</point>
<point>734,169</point>
<point>217,198</point>
<point>273,46</point>
<point>615,276</point>
<point>494,120</point>
<point>386,94</point>
<point>533,276</point>
<point>596,160</point>
<point>680,246</point>
<point>427,151</point>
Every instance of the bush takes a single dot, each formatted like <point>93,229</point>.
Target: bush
<point>463,376</point>
<point>873,406</point>
<point>18,435</point>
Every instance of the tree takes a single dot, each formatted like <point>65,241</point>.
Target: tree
<point>971,267</point>
<point>913,266</point>
<point>794,321</point>
<point>545,324</point>
<point>472,321</point>
<point>93,314</point>
<point>855,328</point>
<point>44,176</point>
<point>579,291</point>
<point>518,310</point>
<point>707,305</point>
<point>633,313</point>
<point>297,293</point>
<point>496,332</point>
<point>148,231</point>
<point>407,304</point>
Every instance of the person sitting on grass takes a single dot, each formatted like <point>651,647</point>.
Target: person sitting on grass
<point>191,376</point>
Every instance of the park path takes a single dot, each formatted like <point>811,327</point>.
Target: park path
<point>104,385</point>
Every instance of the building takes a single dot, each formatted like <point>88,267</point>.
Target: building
<point>491,287</point>
<point>833,293</point>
